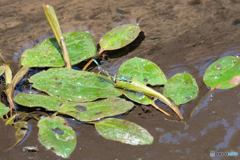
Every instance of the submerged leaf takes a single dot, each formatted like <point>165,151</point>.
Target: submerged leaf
<point>95,110</point>
<point>74,85</point>
<point>3,109</point>
<point>119,37</point>
<point>223,73</point>
<point>123,131</point>
<point>80,46</point>
<point>143,70</point>
<point>55,134</point>
<point>37,100</point>
<point>181,88</point>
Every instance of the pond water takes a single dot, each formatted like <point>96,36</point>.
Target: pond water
<point>178,36</point>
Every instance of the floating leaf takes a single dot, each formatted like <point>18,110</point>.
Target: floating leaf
<point>95,110</point>
<point>80,46</point>
<point>119,37</point>
<point>3,109</point>
<point>1,70</point>
<point>138,97</point>
<point>143,70</point>
<point>74,85</point>
<point>181,88</point>
<point>123,131</point>
<point>55,134</point>
<point>37,100</point>
<point>223,73</point>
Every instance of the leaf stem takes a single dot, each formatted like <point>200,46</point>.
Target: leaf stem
<point>154,105</point>
<point>90,62</point>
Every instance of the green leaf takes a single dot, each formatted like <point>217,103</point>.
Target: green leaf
<point>143,70</point>
<point>55,134</point>
<point>37,100</point>
<point>181,88</point>
<point>74,85</point>
<point>123,131</point>
<point>223,73</point>
<point>3,109</point>
<point>1,70</point>
<point>80,46</point>
<point>138,97</point>
<point>95,110</point>
<point>119,37</point>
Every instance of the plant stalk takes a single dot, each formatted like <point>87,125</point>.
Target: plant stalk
<point>90,62</point>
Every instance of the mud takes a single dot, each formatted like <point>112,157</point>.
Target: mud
<point>186,35</point>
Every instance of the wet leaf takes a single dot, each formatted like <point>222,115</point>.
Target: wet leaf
<point>3,109</point>
<point>74,85</point>
<point>223,73</point>
<point>119,37</point>
<point>55,134</point>
<point>1,70</point>
<point>143,70</point>
<point>80,46</point>
<point>37,100</point>
<point>123,131</point>
<point>138,97</point>
<point>181,88</point>
<point>95,110</point>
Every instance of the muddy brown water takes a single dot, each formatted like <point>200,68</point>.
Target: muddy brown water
<point>186,35</point>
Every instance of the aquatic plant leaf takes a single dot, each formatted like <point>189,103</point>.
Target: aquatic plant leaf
<point>143,70</point>
<point>119,37</point>
<point>223,73</point>
<point>37,100</point>
<point>138,97</point>
<point>1,70</point>
<point>74,85</point>
<point>123,131</point>
<point>3,109</point>
<point>55,134</point>
<point>91,111</point>
<point>181,88</point>
<point>80,46</point>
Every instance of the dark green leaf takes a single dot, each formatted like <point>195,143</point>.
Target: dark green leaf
<point>143,70</point>
<point>74,85</point>
<point>123,131</point>
<point>181,88</point>
<point>80,46</point>
<point>55,134</point>
<point>223,73</point>
<point>95,110</point>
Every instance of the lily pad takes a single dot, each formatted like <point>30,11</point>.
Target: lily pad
<point>95,110</point>
<point>223,73</point>
<point>119,37</point>
<point>37,100</point>
<point>55,134</point>
<point>74,85</point>
<point>3,109</point>
<point>1,70</point>
<point>143,70</point>
<point>123,131</point>
<point>138,97</point>
<point>181,88</point>
<point>80,46</point>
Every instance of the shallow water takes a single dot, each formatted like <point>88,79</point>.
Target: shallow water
<point>179,36</point>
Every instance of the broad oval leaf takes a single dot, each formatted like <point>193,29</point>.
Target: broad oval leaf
<point>123,131</point>
<point>80,46</point>
<point>3,109</point>
<point>143,70</point>
<point>181,88</point>
<point>138,97</point>
<point>223,73</point>
<point>74,85</point>
<point>37,100</point>
<point>55,134</point>
<point>1,70</point>
<point>119,37</point>
<point>91,111</point>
